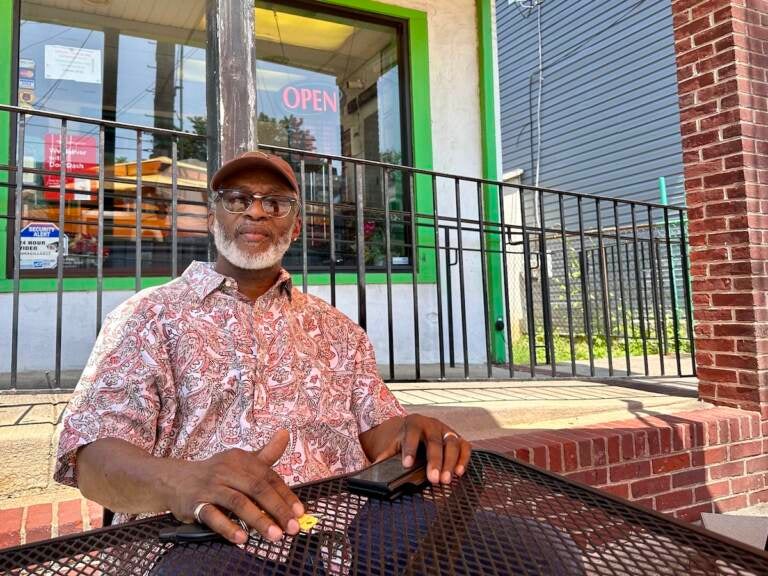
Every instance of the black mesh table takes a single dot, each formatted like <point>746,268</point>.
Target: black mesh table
<point>502,517</point>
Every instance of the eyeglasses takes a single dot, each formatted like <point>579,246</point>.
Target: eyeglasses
<point>237,201</point>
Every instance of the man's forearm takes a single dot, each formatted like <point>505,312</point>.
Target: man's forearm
<point>125,478</point>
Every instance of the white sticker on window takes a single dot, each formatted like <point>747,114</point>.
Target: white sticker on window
<point>70,63</point>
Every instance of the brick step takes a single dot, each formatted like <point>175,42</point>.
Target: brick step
<point>42,521</point>
<point>713,460</point>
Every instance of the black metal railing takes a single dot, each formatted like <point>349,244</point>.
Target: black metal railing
<point>453,277</point>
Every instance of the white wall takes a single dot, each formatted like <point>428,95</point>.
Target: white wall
<point>37,324</point>
<point>454,83</point>
<point>37,328</point>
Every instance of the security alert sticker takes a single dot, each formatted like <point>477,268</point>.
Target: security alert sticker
<point>40,246</point>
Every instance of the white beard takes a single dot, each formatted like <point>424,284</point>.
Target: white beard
<point>228,249</point>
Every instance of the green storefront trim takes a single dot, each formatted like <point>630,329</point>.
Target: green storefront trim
<point>127,283</point>
<point>421,125</point>
<point>6,47</point>
<point>489,134</point>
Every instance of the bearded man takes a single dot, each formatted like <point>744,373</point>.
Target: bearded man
<point>210,395</point>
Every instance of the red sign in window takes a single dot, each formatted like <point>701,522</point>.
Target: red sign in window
<point>82,160</point>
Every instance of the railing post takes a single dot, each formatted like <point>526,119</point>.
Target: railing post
<point>19,186</point>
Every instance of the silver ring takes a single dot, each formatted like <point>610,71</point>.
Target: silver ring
<point>450,434</point>
<point>198,509</point>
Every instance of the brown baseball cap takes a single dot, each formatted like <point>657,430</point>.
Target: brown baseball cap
<point>253,161</point>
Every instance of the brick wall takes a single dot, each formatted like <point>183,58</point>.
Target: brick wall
<point>722,56</point>
<point>48,520</point>
<point>703,461</point>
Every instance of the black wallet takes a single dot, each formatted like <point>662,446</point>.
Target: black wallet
<point>389,479</point>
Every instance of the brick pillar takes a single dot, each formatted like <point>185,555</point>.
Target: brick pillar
<point>722,58</point>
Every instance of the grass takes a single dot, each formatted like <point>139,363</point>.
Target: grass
<point>599,347</point>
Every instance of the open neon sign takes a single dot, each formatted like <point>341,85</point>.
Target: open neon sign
<point>310,99</point>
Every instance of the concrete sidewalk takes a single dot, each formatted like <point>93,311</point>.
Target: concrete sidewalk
<point>481,410</point>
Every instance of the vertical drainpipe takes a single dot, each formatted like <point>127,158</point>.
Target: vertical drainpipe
<point>663,191</point>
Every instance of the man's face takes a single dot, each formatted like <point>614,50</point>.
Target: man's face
<point>253,240</point>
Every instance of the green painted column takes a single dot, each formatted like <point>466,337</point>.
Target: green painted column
<point>489,128</point>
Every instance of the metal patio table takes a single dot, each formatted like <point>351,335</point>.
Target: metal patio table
<point>502,517</point>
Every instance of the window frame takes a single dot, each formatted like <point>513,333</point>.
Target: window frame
<point>406,112</point>
<point>418,133</point>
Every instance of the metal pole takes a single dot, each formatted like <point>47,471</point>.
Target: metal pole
<point>18,199</point>
<point>673,293</point>
<point>604,290</point>
<point>438,279</point>
<point>139,209</point>
<point>484,272</point>
<point>584,291</point>
<point>174,207</point>
<point>549,341</point>
<point>528,288</point>
<point>332,232</point>
<point>60,255</point>
<point>231,88</point>
<point>621,287</point>
<point>460,248</point>
<point>657,314</point>
<point>100,234</point>
<point>639,287</point>
<point>304,263</point>
<point>362,319</point>
<point>388,264</point>
<point>687,291</point>
<point>449,297</point>
<point>510,355</point>
<point>567,274</point>
<point>414,275</point>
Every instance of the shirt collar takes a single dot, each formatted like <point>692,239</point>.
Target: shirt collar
<point>203,280</point>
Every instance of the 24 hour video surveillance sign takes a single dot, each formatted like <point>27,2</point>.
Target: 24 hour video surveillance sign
<point>40,246</point>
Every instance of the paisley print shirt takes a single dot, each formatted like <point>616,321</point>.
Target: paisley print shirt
<point>191,368</point>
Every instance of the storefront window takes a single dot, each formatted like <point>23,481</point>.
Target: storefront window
<point>331,83</point>
<point>135,63</point>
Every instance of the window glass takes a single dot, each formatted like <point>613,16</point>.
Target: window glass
<point>137,63</point>
<point>332,84</point>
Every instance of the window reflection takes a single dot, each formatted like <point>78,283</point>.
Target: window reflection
<point>331,84</point>
<point>121,62</point>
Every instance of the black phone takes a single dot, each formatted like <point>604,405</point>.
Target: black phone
<point>389,479</point>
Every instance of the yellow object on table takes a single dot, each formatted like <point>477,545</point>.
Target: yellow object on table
<point>307,522</point>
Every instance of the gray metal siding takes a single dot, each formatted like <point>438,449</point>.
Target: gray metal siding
<point>609,113</point>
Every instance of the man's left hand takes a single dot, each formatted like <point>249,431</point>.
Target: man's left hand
<point>447,452</point>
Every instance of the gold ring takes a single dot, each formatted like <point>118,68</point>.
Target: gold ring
<point>450,434</point>
<point>198,509</point>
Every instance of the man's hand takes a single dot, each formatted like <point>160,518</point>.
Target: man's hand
<point>447,452</point>
<point>243,483</point>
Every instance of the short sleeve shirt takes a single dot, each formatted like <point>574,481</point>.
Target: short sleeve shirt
<point>192,368</point>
